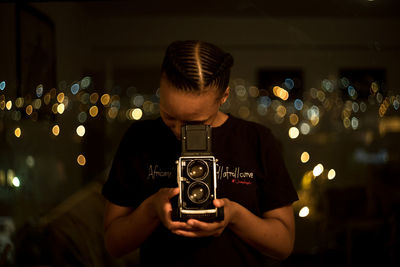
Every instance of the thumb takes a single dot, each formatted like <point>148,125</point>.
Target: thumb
<point>218,203</point>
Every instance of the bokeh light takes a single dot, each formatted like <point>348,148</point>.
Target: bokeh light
<point>80,130</point>
<point>81,159</point>
<point>331,174</point>
<point>305,157</point>
<point>293,132</point>
<point>18,132</point>
<point>55,130</point>
<point>304,212</point>
<point>317,171</point>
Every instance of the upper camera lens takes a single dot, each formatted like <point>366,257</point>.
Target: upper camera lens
<point>197,169</point>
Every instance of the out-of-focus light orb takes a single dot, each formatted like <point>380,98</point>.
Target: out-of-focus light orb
<point>331,174</point>
<point>2,85</point>
<point>47,98</point>
<point>54,108</point>
<point>55,130</point>
<point>81,160</point>
<point>262,109</point>
<point>80,130</point>
<point>82,116</point>
<point>244,112</point>
<point>16,182</point>
<point>327,85</point>
<point>19,102</point>
<point>374,87</point>
<point>93,98</point>
<point>84,98</point>
<point>136,114</point>
<point>293,132</point>
<point>355,106</point>
<point>313,112</point>
<point>321,95</point>
<point>305,157</point>
<point>138,100</point>
<point>105,99</point>
<point>289,83</point>
<point>265,100</point>
<point>9,104</point>
<point>30,161</point>
<point>240,90</point>
<point>304,212</point>
<point>280,92</point>
<point>112,113</point>
<point>294,119</point>
<point>37,103</point>
<point>85,82</point>
<point>281,111</point>
<point>93,111</point>
<point>396,104</point>
<point>298,104</point>
<point>379,97</point>
<point>253,91</point>
<point>39,90</point>
<point>60,97</point>
<point>351,91</point>
<point>61,108</point>
<point>18,132</point>
<point>74,89</point>
<point>354,123</point>
<point>305,128</point>
<point>317,171</point>
<point>29,110</point>
<point>344,82</point>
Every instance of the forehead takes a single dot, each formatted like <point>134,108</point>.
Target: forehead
<point>187,106</point>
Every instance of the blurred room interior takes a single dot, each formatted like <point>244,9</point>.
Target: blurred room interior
<point>323,75</point>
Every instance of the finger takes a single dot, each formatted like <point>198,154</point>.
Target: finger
<point>194,234</point>
<point>218,203</point>
<point>204,226</point>
<point>172,192</point>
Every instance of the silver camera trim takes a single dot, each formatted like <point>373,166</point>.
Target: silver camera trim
<point>181,180</point>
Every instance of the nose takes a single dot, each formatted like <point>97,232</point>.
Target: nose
<point>176,129</point>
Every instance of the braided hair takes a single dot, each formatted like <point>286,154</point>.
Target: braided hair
<point>194,66</point>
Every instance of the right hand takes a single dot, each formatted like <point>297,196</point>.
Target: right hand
<point>163,208</point>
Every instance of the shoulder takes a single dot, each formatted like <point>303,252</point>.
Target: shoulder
<point>249,128</point>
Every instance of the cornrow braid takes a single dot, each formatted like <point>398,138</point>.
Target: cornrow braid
<point>195,65</point>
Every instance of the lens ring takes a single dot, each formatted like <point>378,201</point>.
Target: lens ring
<point>197,169</point>
<point>198,192</point>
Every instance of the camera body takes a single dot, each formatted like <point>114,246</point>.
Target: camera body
<point>196,176</point>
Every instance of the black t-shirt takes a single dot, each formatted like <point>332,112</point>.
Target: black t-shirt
<point>250,171</point>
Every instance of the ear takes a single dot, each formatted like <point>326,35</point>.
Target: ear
<point>225,95</point>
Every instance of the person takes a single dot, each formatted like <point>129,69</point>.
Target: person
<point>253,184</point>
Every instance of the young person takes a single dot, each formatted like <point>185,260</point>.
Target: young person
<point>253,184</point>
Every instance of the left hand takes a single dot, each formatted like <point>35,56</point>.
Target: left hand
<point>196,228</point>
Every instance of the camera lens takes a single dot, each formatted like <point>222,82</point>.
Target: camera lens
<point>197,169</point>
<point>198,192</point>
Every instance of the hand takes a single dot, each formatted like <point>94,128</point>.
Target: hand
<point>196,228</point>
<point>161,204</point>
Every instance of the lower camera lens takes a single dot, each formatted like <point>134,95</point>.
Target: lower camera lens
<point>198,192</point>
<point>197,169</point>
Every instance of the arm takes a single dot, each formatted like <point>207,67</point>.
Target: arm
<point>272,234</point>
<point>125,228</point>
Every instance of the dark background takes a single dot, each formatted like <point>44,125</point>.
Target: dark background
<point>339,58</point>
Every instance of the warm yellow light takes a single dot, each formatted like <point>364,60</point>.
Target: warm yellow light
<point>54,108</point>
<point>29,109</point>
<point>137,114</point>
<point>105,99</point>
<point>47,98</point>
<point>331,174</point>
<point>60,108</point>
<point>94,97</point>
<point>56,130</point>
<point>294,119</point>
<point>60,97</point>
<point>317,171</point>
<point>281,111</point>
<point>305,157</point>
<point>2,104</point>
<point>81,160</point>
<point>19,102</point>
<point>9,105</point>
<point>112,113</point>
<point>18,132</point>
<point>93,111</point>
<point>304,212</point>
<point>80,130</point>
<point>293,132</point>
